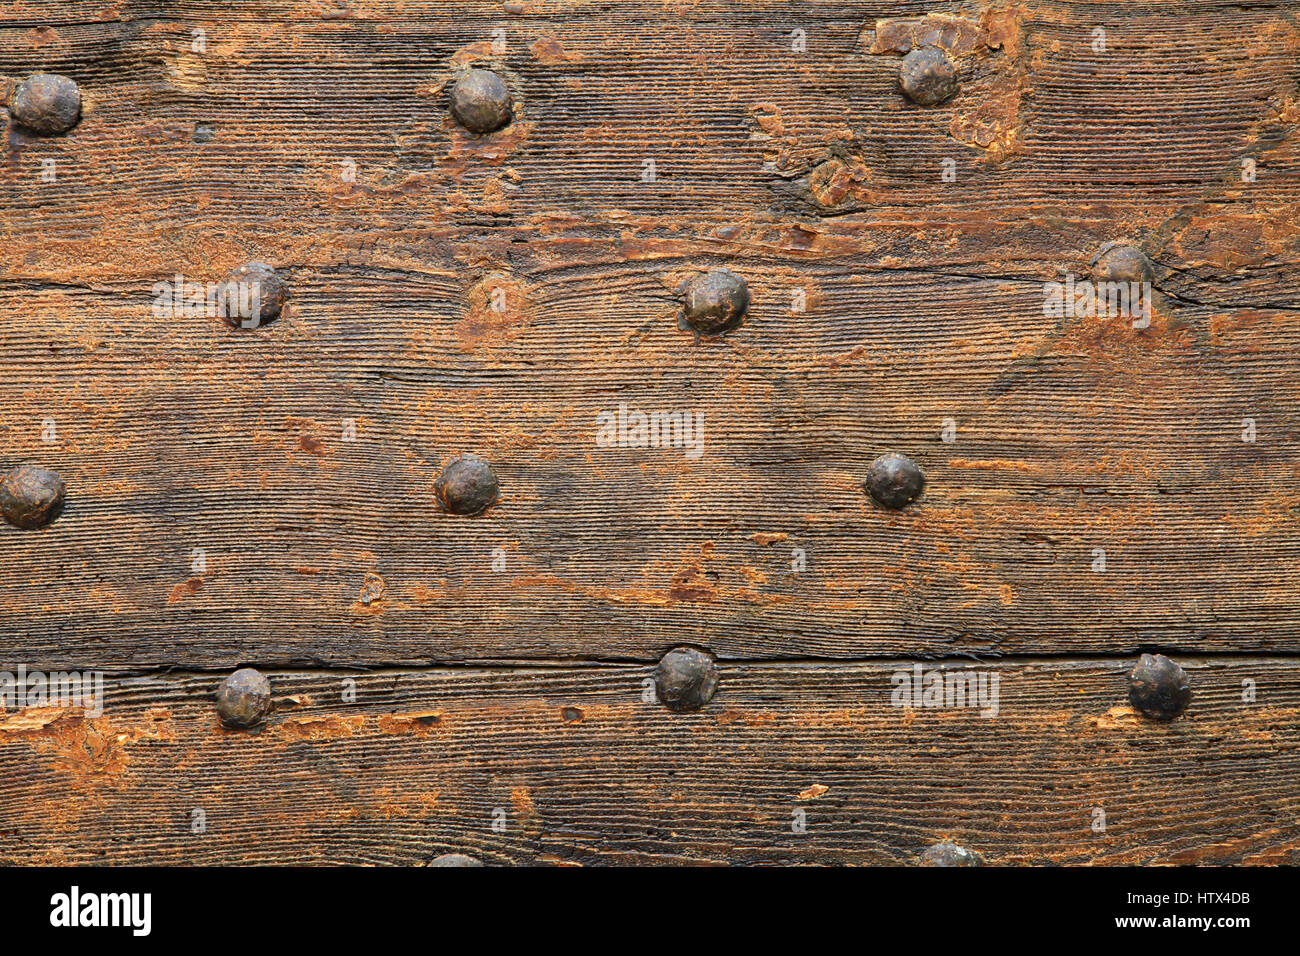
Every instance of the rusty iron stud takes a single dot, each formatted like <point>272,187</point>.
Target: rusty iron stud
<point>894,480</point>
<point>47,103</point>
<point>481,101</point>
<point>467,486</point>
<point>686,678</point>
<point>928,76</point>
<point>244,698</point>
<point>261,301</point>
<point>1117,262</point>
<point>715,302</point>
<point>950,854</point>
<point>455,859</point>
<point>1158,687</point>
<point>31,497</point>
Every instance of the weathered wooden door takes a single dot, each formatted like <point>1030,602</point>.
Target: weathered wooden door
<point>503,293</point>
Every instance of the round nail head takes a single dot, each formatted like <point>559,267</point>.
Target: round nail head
<point>467,486</point>
<point>950,854</point>
<point>46,103</point>
<point>481,101</point>
<point>716,302</point>
<point>686,679</point>
<point>1158,687</point>
<point>254,294</point>
<point>244,698</point>
<point>928,76</point>
<point>31,497</point>
<point>1116,262</point>
<point>455,859</point>
<point>894,480</point>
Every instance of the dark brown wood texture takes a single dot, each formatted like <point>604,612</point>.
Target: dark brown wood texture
<point>804,172</point>
<point>580,770</point>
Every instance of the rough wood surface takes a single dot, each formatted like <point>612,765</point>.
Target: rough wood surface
<point>579,769</point>
<point>808,174</point>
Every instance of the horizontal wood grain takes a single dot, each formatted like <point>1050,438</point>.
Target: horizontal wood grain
<point>498,295</point>
<point>186,157</point>
<point>580,770</point>
<point>177,434</point>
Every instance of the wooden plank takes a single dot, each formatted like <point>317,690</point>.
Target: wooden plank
<point>580,770</point>
<point>923,306</point>
<point>775,137</point>
<point>178,435</point>
<point>219,514</point>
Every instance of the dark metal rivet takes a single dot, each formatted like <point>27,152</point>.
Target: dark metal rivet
<point>686,678</point>
<point>894,480</point>
<point>46,103</point>
<point>716,302</point>
<point>1158,687</point>
<point>31,497</point>
<point>1116,262</point>
<point>481,102</point>
<point>254,295</point>
<point>244,698</point>
<point>950,854</point>
<point>928,76</point>
<point>467,486</point>
<point>455,859</point>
